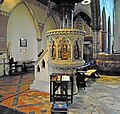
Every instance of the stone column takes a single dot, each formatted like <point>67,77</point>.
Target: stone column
<point>70,18</point>
<point>96,43</point>
<point>104,41</point>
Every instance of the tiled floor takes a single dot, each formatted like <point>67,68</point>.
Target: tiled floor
<point>101,96</point>
<point>16,94</point>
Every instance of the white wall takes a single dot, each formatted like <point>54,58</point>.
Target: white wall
<point>21,25</point>
<point>49,25</point>
<point>117,27</point>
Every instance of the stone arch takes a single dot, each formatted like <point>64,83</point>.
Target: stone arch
<point>19,27</point>
<point>82,8</point>
<point>84,16</point>
<point>32,14</point>
<point>103,19</point>
<point>54,19</point>
<point>48,24</point>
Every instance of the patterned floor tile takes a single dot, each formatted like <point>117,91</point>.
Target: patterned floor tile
<point>16,94</point>
<point>24,87</point>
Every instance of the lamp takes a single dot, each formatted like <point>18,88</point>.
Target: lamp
<point>86,2</point>
<point>1,1</point>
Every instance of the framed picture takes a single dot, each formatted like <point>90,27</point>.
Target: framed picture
<point>23,42</point>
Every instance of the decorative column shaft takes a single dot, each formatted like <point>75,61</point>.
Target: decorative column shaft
<point>57,51</point>
<point>66,15</point>
<point>71,51</point>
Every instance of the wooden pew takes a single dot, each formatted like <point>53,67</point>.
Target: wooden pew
<point>80,79</point>
<point>14,68</point>
<point>83,73</point>
<point>28,66</point>
<point>92,73</point>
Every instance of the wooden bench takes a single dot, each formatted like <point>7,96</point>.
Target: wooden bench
<point>83,76</point>
<point>92,73</point>
<point>80,79</point>
<point>28,66</point>
<point>88,66</point>
<point>14,67</point>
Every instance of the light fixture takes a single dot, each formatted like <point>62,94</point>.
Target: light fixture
<point>86,2</point>
<point>1,1</point>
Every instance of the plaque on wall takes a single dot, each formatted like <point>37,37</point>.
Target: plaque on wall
<point>23,42</point>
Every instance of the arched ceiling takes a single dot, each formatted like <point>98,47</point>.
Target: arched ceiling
<point>83,10</point>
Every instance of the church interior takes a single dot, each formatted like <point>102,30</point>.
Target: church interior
<point>59,57</point>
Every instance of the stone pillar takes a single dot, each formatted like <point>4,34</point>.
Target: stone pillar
<point>104,41</point>
<point>70,19</point>
<point>62,18</point>
<point>96,43</point>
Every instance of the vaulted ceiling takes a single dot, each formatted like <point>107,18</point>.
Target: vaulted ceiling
<point>83,15</point>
